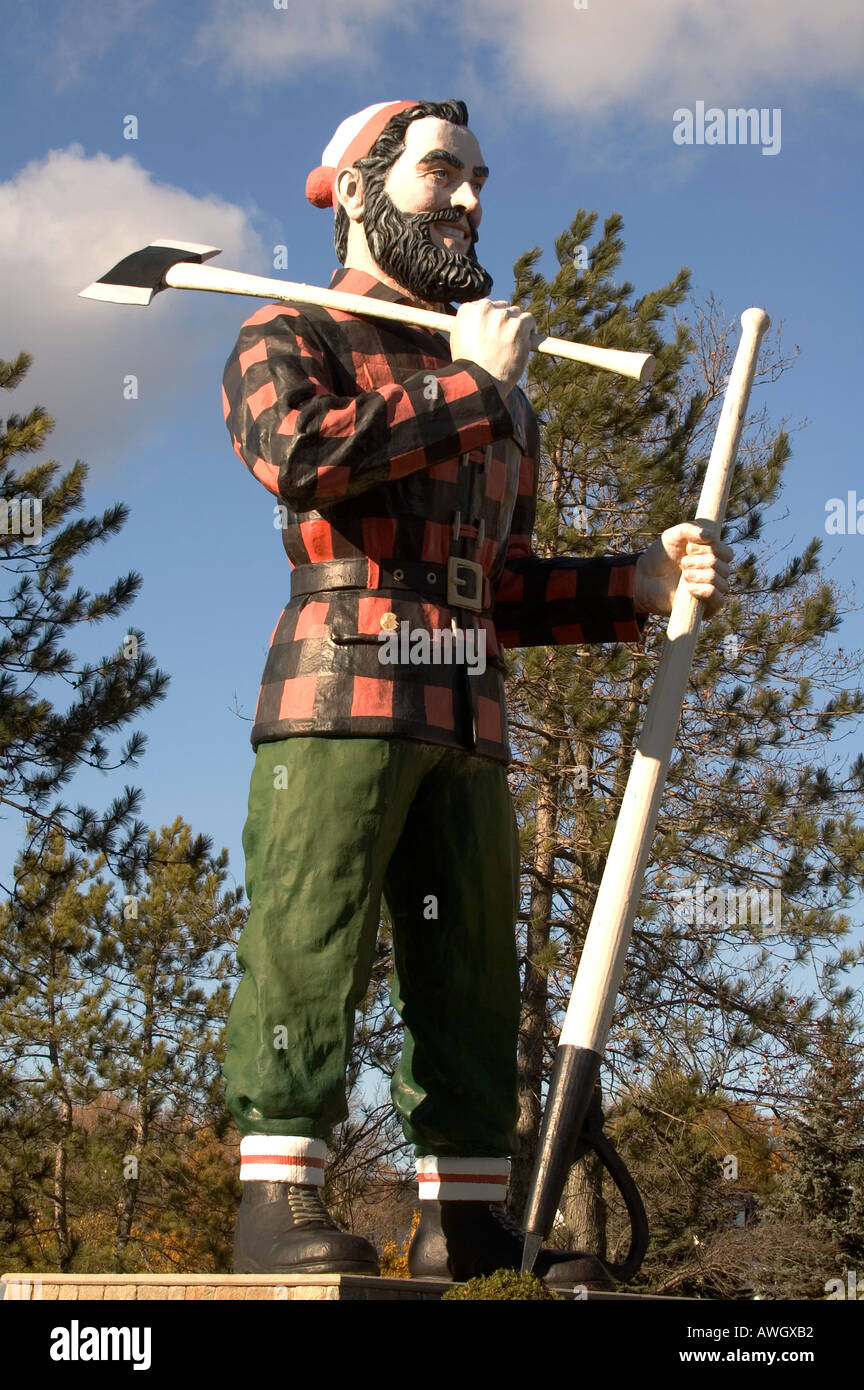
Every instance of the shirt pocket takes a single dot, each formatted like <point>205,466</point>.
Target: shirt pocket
<point>358,618</point>
<point>355,618</point>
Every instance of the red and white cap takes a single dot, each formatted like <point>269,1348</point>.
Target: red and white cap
<point>353,139</point>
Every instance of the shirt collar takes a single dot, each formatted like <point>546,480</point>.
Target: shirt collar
<point>354,281</point>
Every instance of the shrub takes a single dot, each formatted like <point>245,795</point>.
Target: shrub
<point>504,1283</point>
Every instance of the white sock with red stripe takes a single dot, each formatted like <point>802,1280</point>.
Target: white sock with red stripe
<point>282,1158</point>
<point>463,1179</point>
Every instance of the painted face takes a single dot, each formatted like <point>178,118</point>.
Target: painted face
<point>421,222</point>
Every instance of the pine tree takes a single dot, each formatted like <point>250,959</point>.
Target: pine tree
<point>755,798</point>
<point>173,940</point>
<point>711,1171</point>
<point>41,745</point>
<point>57,1028</point>
<point>118,1151</point>
<point>824,1141</point>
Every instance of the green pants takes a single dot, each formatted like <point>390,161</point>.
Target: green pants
<point>333,823</point>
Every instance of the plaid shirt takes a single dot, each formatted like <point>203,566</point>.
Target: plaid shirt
<point>383,451</point>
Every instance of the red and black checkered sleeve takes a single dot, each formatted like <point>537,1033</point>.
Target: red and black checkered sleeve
<point>567,599</point>
<point>312,446</point>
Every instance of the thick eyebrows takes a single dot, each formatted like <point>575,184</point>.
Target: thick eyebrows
<point>480,170</point>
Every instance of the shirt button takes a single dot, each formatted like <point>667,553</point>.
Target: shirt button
<point>389,622</point>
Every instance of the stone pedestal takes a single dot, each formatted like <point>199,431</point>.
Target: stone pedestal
<point>230,1288</point>
<point>238,1288</point>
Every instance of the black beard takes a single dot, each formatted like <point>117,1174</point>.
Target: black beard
<point>403,248</point>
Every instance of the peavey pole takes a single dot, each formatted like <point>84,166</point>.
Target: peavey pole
<point>595,989</point>
<point>179,265</point>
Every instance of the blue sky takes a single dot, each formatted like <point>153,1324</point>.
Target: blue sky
<point>234,102</point>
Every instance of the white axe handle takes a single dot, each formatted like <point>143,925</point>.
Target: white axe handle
<point>187,275</point>
<point>601,967</point>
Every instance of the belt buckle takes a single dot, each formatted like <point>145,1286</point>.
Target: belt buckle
<point>455,580</point>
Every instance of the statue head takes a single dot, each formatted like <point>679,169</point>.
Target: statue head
<point>408,210</point>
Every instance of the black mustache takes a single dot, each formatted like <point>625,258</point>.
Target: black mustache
<point>453,215</point>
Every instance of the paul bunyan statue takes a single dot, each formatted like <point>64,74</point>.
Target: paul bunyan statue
<point>407,470</point>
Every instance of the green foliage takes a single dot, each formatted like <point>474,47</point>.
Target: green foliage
<point>503,1284</point>
<point>43,745</point>
<point>712,1173</point>
<point>823,1184</point>
<point>116,1152</point>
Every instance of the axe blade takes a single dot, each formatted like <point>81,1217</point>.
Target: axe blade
<point>136,278</point>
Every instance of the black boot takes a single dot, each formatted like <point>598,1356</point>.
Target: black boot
<point>461,1240</point>
<point>285,1228</point>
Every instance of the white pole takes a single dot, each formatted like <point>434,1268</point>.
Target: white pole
<point>601,968</point>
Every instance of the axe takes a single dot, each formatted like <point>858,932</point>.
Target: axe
<point>179,265</point>
<point>601,966</point>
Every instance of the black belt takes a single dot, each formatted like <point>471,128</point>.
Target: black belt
<point>460,582</point>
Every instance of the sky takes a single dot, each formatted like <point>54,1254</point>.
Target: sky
<point>132,120</point>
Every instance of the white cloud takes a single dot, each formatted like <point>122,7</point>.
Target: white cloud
<point>640,54</point>
<point>258,41</point>
<point>614,54</point>
<point>74,39</point>
<point>654,55</point>
<point>64,221</point>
